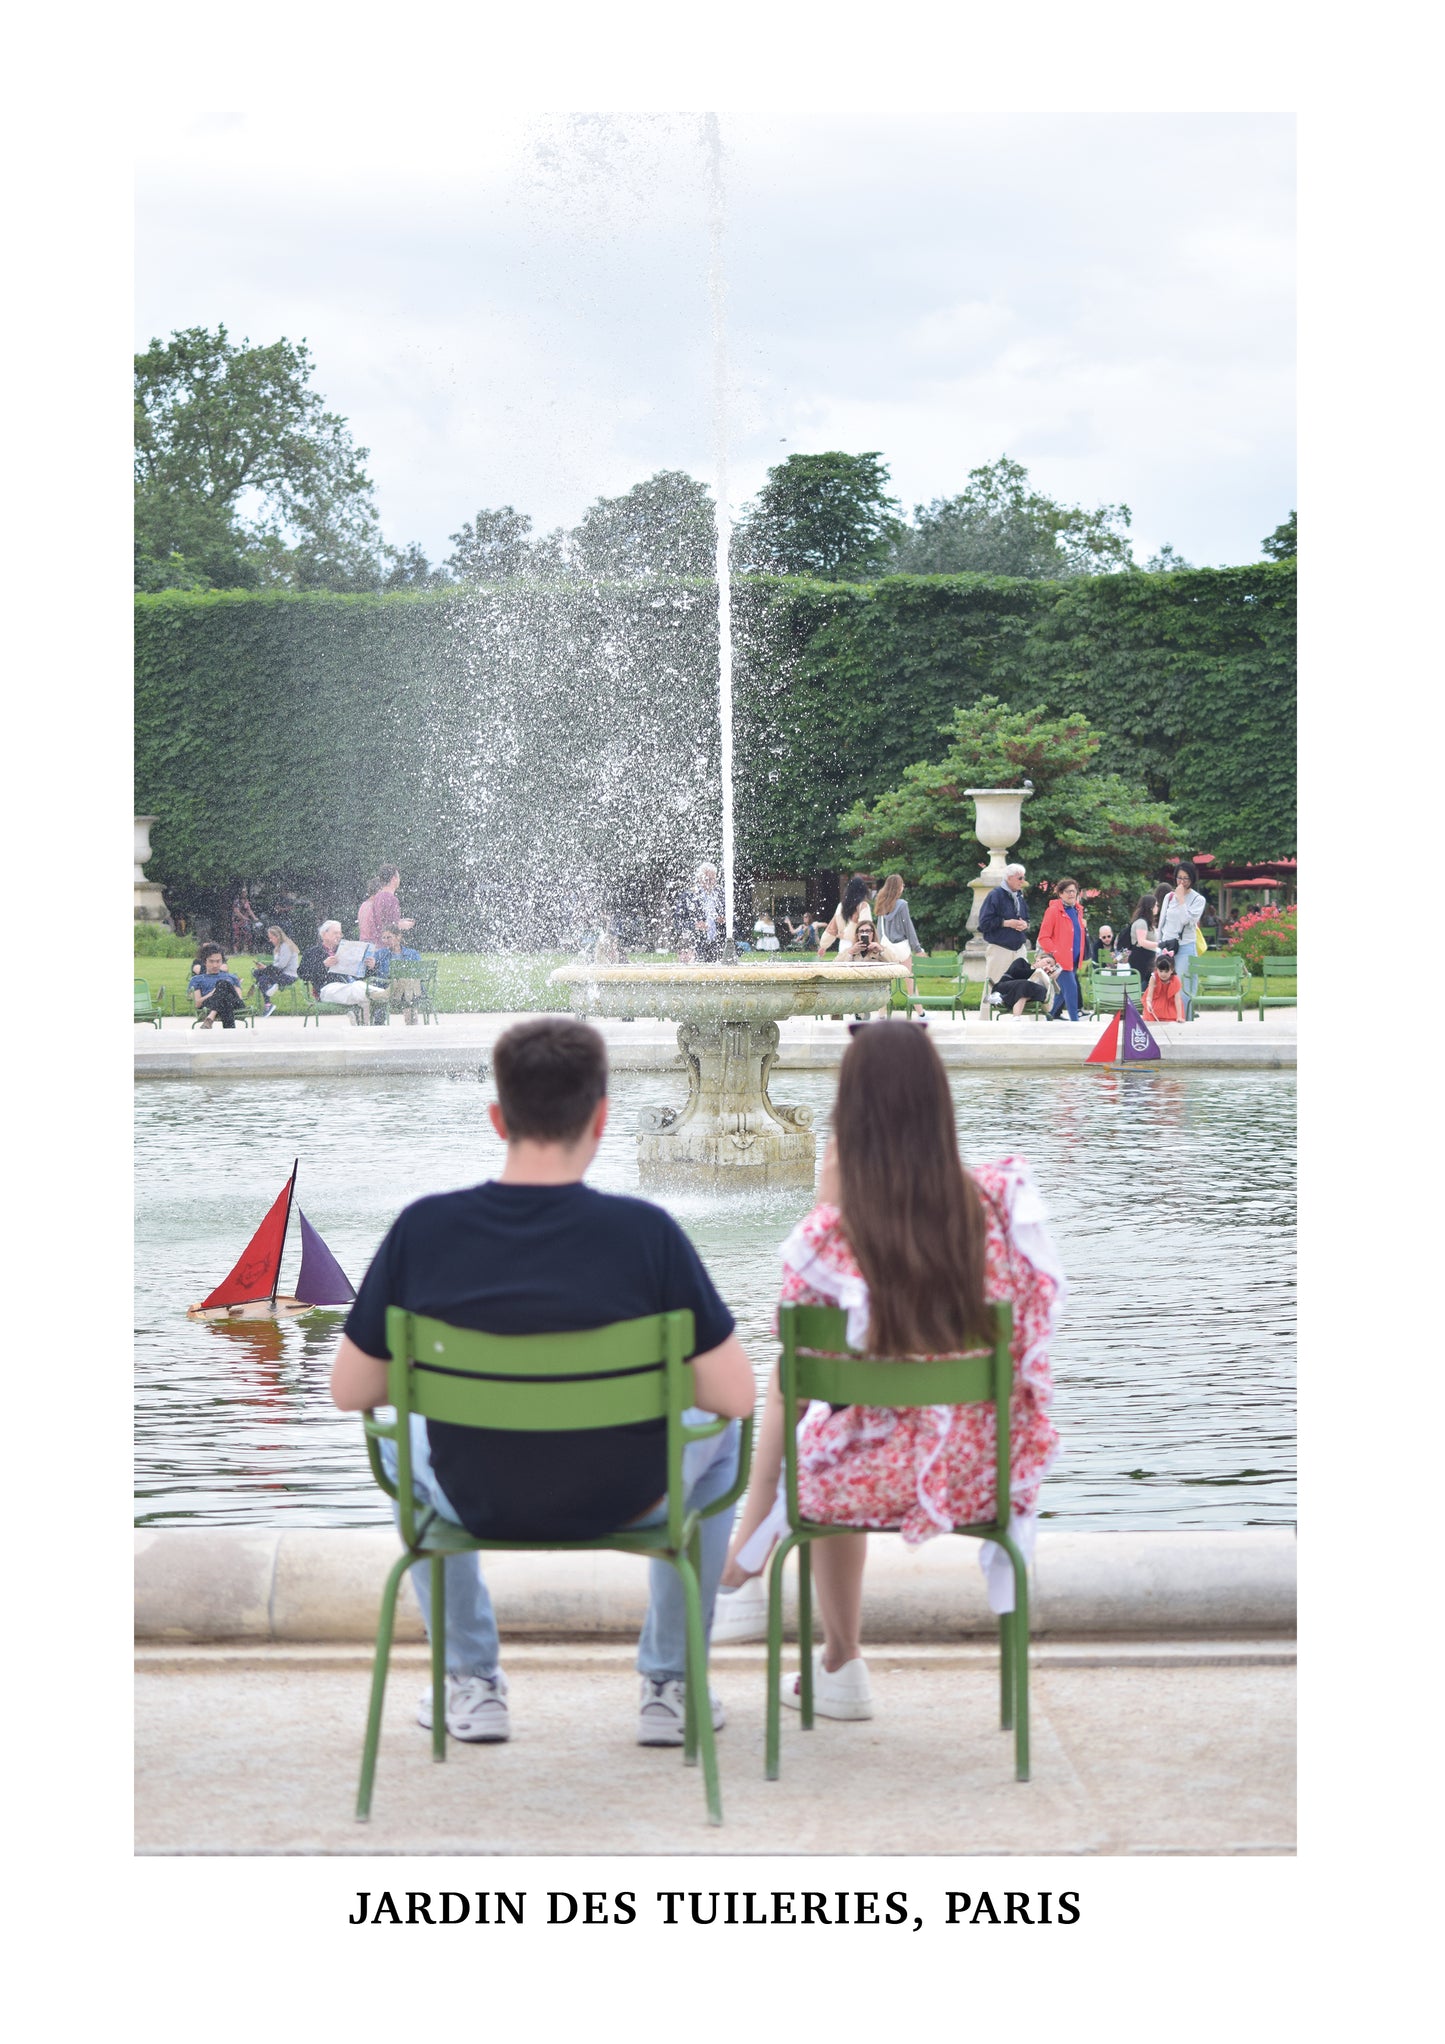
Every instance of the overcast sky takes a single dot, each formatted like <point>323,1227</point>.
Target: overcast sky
<point>521,314</point>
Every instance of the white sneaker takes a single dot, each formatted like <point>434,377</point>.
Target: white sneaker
<point>741,1613</point>
<point>476,1708</point>
<point>661,1714</point>
<point>845,1693</point>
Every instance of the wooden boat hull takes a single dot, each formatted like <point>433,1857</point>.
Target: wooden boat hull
<point>258,1309</point>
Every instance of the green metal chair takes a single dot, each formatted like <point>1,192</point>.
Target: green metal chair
<point>1109,990</point>
<point>147,1009</point>
<point>939,980</point>
<point>613,1376</point>
<point>1215,981</point>
<point>1276,972</point>
<point>816,1363</point>
<point>316,1010</point>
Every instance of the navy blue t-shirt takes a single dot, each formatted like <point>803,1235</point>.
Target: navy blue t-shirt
<point>540,1259</point>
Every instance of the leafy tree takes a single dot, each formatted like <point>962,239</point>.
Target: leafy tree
<point>663,526</point>
<point>1167,562</point>
<point>999,526</point>
<point>409,568</point>
<point>242,477</point>
<point>1283,542</point>
<point>1099,827</point>
<point>826,515</point>
<point>491,546</point>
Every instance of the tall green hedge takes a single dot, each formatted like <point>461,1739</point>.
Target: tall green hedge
<point>522,749</point>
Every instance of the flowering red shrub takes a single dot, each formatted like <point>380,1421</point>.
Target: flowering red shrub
<point>1264,933</point>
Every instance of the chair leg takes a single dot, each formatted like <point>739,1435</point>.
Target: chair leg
<point>695,1685</point>
<point>1019,1628</point>
<point>690,1697</point>
<point>1005,1672</point>
<point>775,1655</point>
<point>386,1619</point>
<point>438,1657</point>
<point>805,1632</point>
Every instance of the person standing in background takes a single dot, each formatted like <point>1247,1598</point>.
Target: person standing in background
<point>1179,916</point>
<point>1063,934</point>
<point>383,911</point>
<point>1003,924</point>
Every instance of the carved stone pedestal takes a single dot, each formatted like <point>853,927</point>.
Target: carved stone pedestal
<point>727,1135</point>
<point>727,1124</point>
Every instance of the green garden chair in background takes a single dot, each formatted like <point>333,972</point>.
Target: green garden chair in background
<point>1281,973</point>
<point>1109,990</point>
<point>613,1376</point>
<point>816,1363</point>
<point>939,980</point>
<point>1215,981</point>
<point>147,1008</point>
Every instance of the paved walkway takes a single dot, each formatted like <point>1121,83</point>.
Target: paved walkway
<point>1137,1748</point>
<point>288,1047</point>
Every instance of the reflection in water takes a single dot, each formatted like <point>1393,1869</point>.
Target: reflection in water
<point>1171,1196</point>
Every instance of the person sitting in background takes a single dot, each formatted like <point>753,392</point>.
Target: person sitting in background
<point>1024,986</point>
<point>401,991</point>
<point>765,935</point>
<point>281,972</point>
<point>337,986</point>
<point>801,936</point>
<point>216,992</point>
<point>1164,995</point>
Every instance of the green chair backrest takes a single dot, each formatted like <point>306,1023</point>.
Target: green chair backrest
<point>613,1376</point>
<point>817,1363</point>
<point>1225,971</point>
<point>1280,968</point>
<point>1107,990</point>
<point>144,1005</point>
<point>944,964</point>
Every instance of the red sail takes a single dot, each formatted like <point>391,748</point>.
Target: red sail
<point>259,1266</point>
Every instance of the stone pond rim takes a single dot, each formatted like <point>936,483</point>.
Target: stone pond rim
<point>728,1134</point>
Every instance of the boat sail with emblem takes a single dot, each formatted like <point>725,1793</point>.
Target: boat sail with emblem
<point>252,1290</point>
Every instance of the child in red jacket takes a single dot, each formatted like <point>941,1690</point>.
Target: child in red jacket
<point>1164,995</point>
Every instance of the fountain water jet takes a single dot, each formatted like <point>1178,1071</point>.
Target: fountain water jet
<point>728,1133</point>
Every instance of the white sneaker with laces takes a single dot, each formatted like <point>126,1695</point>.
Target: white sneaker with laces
<point>661,1714</point>
<point>843,1693</point>
<point>476,1708</point>
<point>741,1613</point>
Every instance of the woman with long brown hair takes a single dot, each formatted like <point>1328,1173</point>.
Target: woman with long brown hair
<point>913,1246</point>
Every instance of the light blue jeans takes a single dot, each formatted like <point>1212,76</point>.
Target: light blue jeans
<point>708,1470</point>
<point>1187,949</point>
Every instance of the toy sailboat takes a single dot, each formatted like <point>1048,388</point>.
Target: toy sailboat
<point>252,1290</point>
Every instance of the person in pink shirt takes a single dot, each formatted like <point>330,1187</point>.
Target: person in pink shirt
<point>381,910</point>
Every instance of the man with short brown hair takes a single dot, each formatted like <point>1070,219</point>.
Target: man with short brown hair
<point>535,1251</point>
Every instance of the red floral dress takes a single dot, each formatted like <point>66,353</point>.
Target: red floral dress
<point>930,1468</point>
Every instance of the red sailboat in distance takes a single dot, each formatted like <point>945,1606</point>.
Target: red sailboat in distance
<point>252,1290</point>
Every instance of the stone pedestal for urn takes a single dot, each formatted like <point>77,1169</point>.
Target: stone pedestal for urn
<point>150,902</point>
<point>997,824</point>
<point>728,1133</point>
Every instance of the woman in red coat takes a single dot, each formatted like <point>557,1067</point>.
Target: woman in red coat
<point>1062,935</point>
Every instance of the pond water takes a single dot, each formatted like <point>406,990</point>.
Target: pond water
<point>1171,1197</point>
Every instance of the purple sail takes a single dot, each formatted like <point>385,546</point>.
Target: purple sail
<point>322,1281</point>
<point>1136,1042</point>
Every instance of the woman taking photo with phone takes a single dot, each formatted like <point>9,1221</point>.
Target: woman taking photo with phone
<point>913,1246</point>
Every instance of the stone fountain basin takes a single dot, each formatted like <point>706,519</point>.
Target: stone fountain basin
<point>737,992</point>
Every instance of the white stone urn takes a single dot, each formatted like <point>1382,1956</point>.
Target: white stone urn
<point>998,822</point>
<point>150,902</point>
